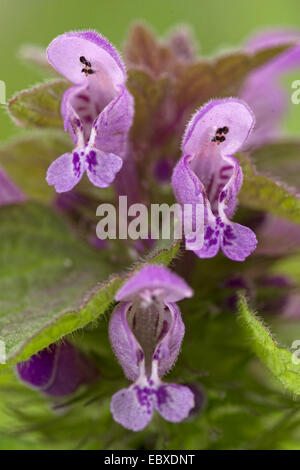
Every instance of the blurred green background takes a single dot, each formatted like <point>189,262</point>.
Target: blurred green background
<point>217,24</point>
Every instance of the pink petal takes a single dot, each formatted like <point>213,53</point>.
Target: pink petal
<point>169,347</point>
<point>211,243</point>
<point>130,409</point>
<point>155,277</point>
<point>65,51</point>
<point>174,402</point>
<point>238,241</point>
<point>102,167</point>
<point>123,341</point>
<point>113,124</point>
<point>230,112</point>
<point>65,172</point>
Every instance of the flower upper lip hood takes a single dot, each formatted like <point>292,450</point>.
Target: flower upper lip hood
<point>62,55</point>
<point>146,332</point>
<point>212,116</point>
<point>97,110</point>
<point>208,174</point>
<point>154,278</point>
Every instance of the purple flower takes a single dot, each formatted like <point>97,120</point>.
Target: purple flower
<point>146,331</point>
<point>163,170</point>
<point>97,110</point>
<point>58,370</point>
<point>9,192</point>
<point>262,89</point>
<point>208,174</point>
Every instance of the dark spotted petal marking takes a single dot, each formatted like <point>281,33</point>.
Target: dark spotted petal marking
<point>65,172</point>
<point>101,167</point>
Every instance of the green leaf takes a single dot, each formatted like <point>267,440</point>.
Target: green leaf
<point>27,158</point>
<point>50,283</point>
<point>278,360</point>
<point>223,76</point>
<point>288,266</point>
<point>262,193</point>
<point>39,106</point>
<point>281,160</point>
